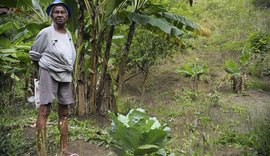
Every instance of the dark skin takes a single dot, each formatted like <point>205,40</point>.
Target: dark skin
<point>59,17</point>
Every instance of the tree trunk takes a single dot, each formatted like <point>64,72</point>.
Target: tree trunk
<point>80,79</point>
<point>239,83</point>
<point>122,66</point>
<point>94,61</point>
<point>107,99</point>
<point>105,96</point>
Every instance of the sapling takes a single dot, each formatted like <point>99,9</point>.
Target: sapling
<point>193,70</point>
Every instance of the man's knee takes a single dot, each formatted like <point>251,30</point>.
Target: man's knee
<point>44,110</point>
<point>63,110</point>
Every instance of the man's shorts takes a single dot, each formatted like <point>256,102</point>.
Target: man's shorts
<point>51,89</point>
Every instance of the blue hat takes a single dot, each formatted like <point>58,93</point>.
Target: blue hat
<point>58,2</point>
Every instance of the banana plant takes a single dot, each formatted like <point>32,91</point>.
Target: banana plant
<point>15,61</point>
<point>100,26</point>
<point>237,70</point>
<point>193,70</point>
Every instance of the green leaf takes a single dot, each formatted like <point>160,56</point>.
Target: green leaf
<point>155,136</point>
<point>155,22</point>
<point>110,6</point>
<point>9,59</point>
<point>23,57</point>
<point>13,76</point>
<point>72,22</point>
<point>5,27</point>
<point>29,31</point>
<point>128,138</point>
<point>179,21</point>
<point>10,50</point>
<point>144,149</point>
<point>245,57</point>
<point>113,20</point>
<point>231,67</point>
<point>4,43</point>
<point>186,72</point>
<point>152,9</point>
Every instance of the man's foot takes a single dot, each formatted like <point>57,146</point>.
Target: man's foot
<point>67,153</point>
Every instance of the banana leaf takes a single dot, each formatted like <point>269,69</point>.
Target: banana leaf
<point>153,21</point>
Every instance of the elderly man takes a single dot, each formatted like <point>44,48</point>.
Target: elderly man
<point>53,51</point>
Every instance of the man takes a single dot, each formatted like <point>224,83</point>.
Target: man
<point>54,52</point>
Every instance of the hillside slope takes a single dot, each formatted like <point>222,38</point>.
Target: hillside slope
<point>212,120</point>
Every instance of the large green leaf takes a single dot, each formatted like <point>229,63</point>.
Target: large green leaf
<point>29,31</point>
<point>5,27</point>
<point>23,57</point>
<point>4,43</point>
<point>179,21</point>
<point>160,23</point>
<point>152,9</point>
<point>8,59</point>
<point>128,138</point>
<point>155,136</point>
<point>73,20</point>
<point>231,67</point>
<point>245,57</point>
<point>9,50</point>
<point>145,149</point>
<point>113,20</point>
<point>111,5</point>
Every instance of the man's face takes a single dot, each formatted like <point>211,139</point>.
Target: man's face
<point>59,15</point>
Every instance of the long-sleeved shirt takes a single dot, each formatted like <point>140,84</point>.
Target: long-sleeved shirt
<point>54,53</point>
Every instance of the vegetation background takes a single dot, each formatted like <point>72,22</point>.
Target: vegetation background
<point>212,90</point>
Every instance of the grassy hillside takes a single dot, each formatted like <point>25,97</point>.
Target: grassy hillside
<point>212,120</point>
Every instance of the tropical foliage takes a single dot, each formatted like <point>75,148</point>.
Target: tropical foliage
<point>96,28</point>
<point>121,45</point>
<point>139,134</point>
<point>193,70</point>
<point>252,56</point>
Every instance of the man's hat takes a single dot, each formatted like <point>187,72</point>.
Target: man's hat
<point>58,2</point>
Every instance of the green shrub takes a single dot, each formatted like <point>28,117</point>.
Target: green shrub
<point>12,141</point>
<point>6,148</point>
<point>259,44</point>
<point>138,134</point>
<point>257,138</point>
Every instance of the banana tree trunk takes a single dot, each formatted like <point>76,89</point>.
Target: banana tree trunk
<point>80,94</point>
<point>122,66</point>
<point>239,83</point>
<point>94,61</point>
<point>105,96</point>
